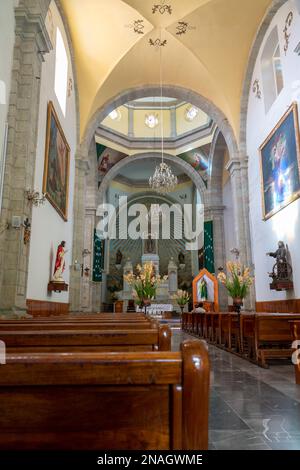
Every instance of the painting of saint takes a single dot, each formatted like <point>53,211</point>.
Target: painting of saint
<point>107,158</point>
<point>280,163</point>
<point>56,170</point>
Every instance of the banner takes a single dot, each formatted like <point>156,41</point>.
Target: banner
<point>98,262</point>
<point>209,258</point>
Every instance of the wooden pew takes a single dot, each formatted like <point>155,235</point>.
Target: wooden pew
<point>40,326</point>
<point>273,336</point>
<point>295,330</point>
<point>95,401</point>
<point>87,340</point>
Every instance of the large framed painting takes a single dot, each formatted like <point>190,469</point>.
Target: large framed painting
<point>57,163</point>
<point>280,163</point>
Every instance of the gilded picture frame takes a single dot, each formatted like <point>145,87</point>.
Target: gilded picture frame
<point>280,164</point>
<point>57,164</point>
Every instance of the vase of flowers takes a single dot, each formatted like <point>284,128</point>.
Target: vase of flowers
<point>144,283</point>
<point>182,298</point>
<point>237,282</point>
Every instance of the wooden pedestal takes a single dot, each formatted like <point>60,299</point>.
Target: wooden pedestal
<point>57,287</point>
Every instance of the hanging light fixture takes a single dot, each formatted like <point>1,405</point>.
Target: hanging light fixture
<point>163,181</point>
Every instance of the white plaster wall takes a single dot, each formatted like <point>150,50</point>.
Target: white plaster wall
<point>285,225</point>
<point>7,40</point>
<point>228,220</point>
<point>48,228</point>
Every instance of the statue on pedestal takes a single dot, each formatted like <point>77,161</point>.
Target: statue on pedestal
<point>181,258</point>
<point>282,270</point>
<point>60,263</point>
<point>119,257</point>
<point>150,245</point>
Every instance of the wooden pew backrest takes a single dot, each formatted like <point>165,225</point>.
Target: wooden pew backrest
<point>106,400</point>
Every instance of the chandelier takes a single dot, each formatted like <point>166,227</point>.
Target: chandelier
<point>163,181</point>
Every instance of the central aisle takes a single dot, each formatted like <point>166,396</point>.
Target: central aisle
<point>250,408</point>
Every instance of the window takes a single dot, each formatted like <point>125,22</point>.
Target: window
<point>277,68</point>
<point>191,113</point>
<point>61,72</point>
<point>271,67</point>
<point>2,92</point>
<point>115,115</point>
<point>151,120</point>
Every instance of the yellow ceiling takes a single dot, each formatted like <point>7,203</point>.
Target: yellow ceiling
<point>210,59</point>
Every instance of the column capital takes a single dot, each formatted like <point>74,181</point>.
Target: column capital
<point>237,164</point>
<point>212,211</point>
<point>32,25</point>
<point>82,165</point>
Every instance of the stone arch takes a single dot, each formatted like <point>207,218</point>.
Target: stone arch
<point>217,154</point>
<point>169,90</point>
<point>273,9</point>
<point>186,167</point>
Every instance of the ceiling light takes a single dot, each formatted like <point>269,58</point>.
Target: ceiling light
<point>115,115</point>
<point>151,120</point>
<point>191,113</point>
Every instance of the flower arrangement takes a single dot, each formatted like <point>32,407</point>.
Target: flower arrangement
<point>182,297</point>
<point>145,282</point>
<point>237,281</point>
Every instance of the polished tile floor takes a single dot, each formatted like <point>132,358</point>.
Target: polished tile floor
<point>251,408</point>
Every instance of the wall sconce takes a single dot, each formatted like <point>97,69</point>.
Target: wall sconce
<point>35,198</point>
<point>76,265</point>
<point>27,231</point>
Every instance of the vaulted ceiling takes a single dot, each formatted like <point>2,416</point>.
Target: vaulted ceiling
<point>209,56</point>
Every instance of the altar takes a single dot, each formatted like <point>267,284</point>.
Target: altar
<point>155,308</point>
<point>164,300</point>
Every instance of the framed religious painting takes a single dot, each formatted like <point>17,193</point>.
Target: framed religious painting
<point>57,164</point>
<point>280,164</point>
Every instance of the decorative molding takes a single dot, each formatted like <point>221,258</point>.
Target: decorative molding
<point>183,27</point>
<point>157,43</point>
<point>137,26</point>
<point>173,142</point>
<point>256,89</point>
<point>82,165</point>
<point>162,8</point>
<point>297,49</point>
<point>287,35</point>
<point>70,86</point>
<point>30,26</point>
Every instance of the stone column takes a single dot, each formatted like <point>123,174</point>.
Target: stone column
<point>81,170</point>
<point>238,169</point>
<point>130,123</point>
<point>173,123</point>
<point>31,43</point>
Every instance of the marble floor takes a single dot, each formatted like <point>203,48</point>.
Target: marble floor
<point>251,408</point>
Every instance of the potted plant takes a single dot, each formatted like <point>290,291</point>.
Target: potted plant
<point>237,282</point>
<point>182,297</point>
<point>144,283</point>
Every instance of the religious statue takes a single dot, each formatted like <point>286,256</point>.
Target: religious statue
<point>203,289</point>
<point>181,258</point>
<point>119,257</point>
<point>60,263</point>
<point>150,245</point>
<point>282,270</point>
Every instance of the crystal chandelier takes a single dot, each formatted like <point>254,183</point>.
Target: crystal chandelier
<point>163,181</point>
